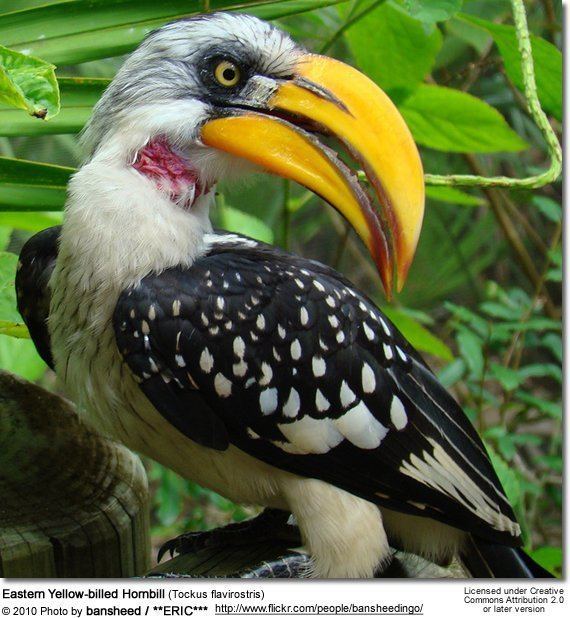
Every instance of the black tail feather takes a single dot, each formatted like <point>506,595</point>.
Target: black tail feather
<point>487,560</point>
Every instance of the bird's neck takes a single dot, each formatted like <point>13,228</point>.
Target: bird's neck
<point>128,217</point>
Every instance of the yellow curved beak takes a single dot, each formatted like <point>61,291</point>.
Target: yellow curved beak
<point>338,100</point>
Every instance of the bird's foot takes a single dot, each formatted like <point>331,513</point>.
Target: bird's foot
<point>270,525</point>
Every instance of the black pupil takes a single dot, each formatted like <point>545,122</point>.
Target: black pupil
<point>229,74</point>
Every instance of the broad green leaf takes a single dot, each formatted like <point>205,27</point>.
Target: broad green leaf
<point>30,221</point>
<point>549,558</point>
<point>542,370</point>
<point>548,207</point>
<point>452,195</point>
<point>5,235</point>
<point>8,311</point>
<point>452,373</point>
<point>236,220</point>
<point>78,96</point>
<point>453,121</point>
<point>28,83</point>
<point>84,30</point>
<point>431,11</point>
<point>506,475</point>
<point>549,408</point>
<point>508,378</point>
<point>471,349</point>
<point>547,62</point>
<point>20,357</point>
<point>417,334</point>
<point>393,48</point>
<point>25,185</point>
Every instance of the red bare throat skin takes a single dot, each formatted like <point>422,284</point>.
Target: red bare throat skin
<point>170,172</point>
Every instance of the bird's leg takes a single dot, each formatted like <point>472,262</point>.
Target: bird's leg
<point>270,525</point>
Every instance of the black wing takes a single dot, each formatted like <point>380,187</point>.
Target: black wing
<point>302,371</point>
<point>35,266</point>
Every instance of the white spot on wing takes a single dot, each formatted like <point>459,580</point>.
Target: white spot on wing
<point>368,378</point>
<point>239,347</point>
<point>361,428</point>
<point>206,361</point>
<point>347,396</point>
<point>387,351</point>
<point>268,400</point>
<point>267,375</point>
<point>318,285</point>
<point>368,331</point>
<point>310,435</point>
<point>260,322</point>
<point>180,360</point>
<point>295,350</point>
<point>398,414</point>
<point>292,405</point>
<point>222,385</point>
<point>319,366</point>
<point>240,368</point>
<point>304,316</point>
<point>176,306</point>
<point>321,402</point>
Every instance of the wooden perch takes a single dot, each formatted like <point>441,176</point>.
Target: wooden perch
<point>73,504</point>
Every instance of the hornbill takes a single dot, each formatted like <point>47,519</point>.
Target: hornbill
<point>261,375</point>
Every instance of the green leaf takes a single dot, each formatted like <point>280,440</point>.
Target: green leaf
<point>506,475</point>
<point>236,220</point>
<point>25,185</point>
<point>5,234</point>
<point>549,558</point>
<point>549,408</point>
<point>471,350</point>
<point>417,334</point>
<point>20,357</point>
<point>547,62</point>
<point>452,373</point>
<point>548,207</point>
<point>8,311</point>
<point>542,370</point>
<point>431,11</point>
<point>452,195</point>
<point>508,378</point>
<point>453,121</point>
<point>84,30</point>
<point>30,221</point>
<point>78,96</point>
<point>393,48</point>
<point>28,83</point>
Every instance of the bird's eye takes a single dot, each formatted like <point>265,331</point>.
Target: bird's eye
<point>227,73</point>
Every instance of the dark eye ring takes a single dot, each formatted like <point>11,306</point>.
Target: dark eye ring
<point>227,73</point>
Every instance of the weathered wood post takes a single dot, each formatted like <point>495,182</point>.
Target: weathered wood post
<point>72,504</point>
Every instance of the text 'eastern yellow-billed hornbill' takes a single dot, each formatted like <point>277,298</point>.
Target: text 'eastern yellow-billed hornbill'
<point>264,376</point>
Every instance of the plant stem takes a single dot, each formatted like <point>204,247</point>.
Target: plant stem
<point>512,236</point>
<point>535,111</point>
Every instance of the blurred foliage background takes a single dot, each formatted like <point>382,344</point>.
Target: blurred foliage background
<point>483,300</point>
